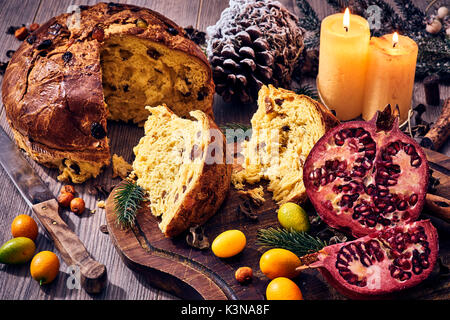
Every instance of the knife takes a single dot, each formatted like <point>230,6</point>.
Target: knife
<point>41,200</point>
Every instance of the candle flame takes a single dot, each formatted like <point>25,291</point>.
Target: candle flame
<point>346,19</point>
<point>394,39</point>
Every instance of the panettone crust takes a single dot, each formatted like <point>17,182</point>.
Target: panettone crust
<point>208,186</point>
<point>52,100</point>
<point>207,195</point>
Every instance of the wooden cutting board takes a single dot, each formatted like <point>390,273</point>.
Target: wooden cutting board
<point>189,273</point>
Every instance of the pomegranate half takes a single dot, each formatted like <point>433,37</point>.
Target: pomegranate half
<point>365,176</point>
<point>386,261</point>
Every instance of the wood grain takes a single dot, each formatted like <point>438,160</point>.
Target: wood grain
<point>123,283</point>
<point>93,276</point>
<point>170,263</point>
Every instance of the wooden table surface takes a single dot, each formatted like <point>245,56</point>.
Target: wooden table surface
<point>16,282</point>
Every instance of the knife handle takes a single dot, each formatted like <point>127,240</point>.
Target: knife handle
<point>93,274</point>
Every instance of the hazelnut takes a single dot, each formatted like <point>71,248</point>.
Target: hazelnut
<point>442,12</point>
<point>68,189</point>
<point>77,206</point>
<point>21,33</point>
<point>33,27</point>
<point>65,198</point>
<point>434,27</point>
<point>244,274</point>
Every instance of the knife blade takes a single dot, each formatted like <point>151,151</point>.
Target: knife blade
<point>29,184</point>
<point>42,202</point>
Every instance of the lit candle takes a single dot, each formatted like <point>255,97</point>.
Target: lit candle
<point>344,42</point>
<point>390,74</point>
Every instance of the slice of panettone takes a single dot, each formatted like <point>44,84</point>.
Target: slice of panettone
<point>181,163</point>
<point>284,129</point>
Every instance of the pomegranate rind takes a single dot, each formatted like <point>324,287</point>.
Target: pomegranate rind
<point>410,181</point>
<point>387,285</point>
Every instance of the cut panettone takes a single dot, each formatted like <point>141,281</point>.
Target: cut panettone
<point>284,129</point>
<point>106,61</point>
<point>181,163</point>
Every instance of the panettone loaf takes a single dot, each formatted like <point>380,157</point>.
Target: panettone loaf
<point>107,61</point>
<point>284,129</point>
<point>181,163</point>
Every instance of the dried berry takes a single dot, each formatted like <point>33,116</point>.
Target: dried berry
<point>77,206</point>
<point>21,33</point>
<point>31,39</point>
<point>67,56</point>
<point>202,94</point>
<point>97,131</point>
<point>98,33</point>
<point>153,53</point>
<point>244,274</point>
<point>65,198</point>
<point>45,44</point>
<point>33,27</point>
<point>172,31</point>
<point>10,53</point>
<point>75,168</point>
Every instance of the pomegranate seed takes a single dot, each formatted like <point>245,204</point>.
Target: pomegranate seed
<point>405,276</point>
<point>409,149</point>
<point>402,205</point>
<point>417,269</point>
<point>342,166</point>
<point>416,162</point>
<point>413,199</point>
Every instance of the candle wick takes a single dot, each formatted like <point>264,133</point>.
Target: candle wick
<point>395,43</point>
<point>346,29</point>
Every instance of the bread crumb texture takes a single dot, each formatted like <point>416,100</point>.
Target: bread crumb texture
<point>284,129</point>
<point>170,165</point>
<point>137,72</point>
<point>121,168</point>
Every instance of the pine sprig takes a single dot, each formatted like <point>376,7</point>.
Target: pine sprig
<point>309,20</point>
<point>308,90</point>
<point>235,126</point>
<point>127,201</point>
<point>297,242</point>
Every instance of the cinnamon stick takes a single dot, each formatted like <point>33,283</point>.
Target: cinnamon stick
<point>440,130</point>
<point>438,206</point>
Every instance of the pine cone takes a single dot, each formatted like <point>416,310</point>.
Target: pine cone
<point>253,43</point>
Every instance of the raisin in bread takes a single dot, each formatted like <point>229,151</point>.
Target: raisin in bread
<point>106,61</point>
<point>284,129</point>
<point>181,163</point>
